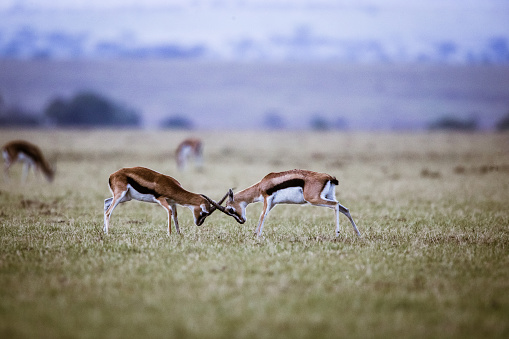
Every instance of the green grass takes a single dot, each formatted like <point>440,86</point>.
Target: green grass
<point>432,261</point>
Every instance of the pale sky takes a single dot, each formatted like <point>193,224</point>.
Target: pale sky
<point>404,29</point>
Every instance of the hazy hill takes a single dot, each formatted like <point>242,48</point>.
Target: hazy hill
<point>243,95</point>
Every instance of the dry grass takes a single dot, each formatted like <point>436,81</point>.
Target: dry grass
<point>432,261</point>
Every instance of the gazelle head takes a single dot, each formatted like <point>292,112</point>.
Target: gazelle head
<point>200,214</point>
<point>236,208</point>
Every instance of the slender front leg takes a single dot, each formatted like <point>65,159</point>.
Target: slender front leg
<point>267,206</point>
<point>164,204</point>
<point>7,165</point>
<point>175,219</point>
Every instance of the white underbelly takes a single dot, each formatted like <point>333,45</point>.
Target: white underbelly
<point>134,194</point>
<point>290,195</point>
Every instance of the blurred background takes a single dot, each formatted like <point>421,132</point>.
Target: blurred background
<point>255,64</point>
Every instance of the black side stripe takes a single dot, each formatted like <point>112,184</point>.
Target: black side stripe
<point>286,184</point>
<point>142,189</point>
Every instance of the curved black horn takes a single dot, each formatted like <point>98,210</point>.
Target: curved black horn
<point>223,199</point>
<point>214,204</point>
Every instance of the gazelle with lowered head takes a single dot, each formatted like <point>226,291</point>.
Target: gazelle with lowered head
<point>143,184</point>
<point>290,187</point>
<point>189,148</point>
<point>30,155</point>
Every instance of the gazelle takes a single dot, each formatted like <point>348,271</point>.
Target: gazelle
<point>190,147</point>
<point>146,185</point>
<point>290,187</point>
<point>30,155</point>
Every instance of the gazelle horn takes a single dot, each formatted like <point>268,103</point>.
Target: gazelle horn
<point>215,204</point>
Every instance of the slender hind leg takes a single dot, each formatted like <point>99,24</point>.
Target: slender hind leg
<point>327,198</point>
<point>346,212</point>
<point>24,174</point>
<point>336,215</point>
<point>174,215</point>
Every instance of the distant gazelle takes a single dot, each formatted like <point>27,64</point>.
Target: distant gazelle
<point>30,155</point>
<point>290,187</point>
<point>146,185</point>
<point>189,148</point>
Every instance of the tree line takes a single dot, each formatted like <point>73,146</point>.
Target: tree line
<point>89,109</point>
<point>85,109</point>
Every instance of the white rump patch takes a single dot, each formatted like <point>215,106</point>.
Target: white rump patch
<point>329,192</point>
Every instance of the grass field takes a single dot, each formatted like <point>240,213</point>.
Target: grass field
<point>432,262</point>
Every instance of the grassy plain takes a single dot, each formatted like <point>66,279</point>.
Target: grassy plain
<point>432,262</point>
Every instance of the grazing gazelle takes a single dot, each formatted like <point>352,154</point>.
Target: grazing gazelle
<point>290,187</point>
<point>143,184</point>
<point>191,147</point>
<point>30,155</point>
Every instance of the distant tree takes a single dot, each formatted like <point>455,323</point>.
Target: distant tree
<point>177,122</point>
<point>56,111</point>
<point>503,124</point>
<point>89,109</point>
<point>446,49</point>
<point>455,124</point>
<point>273,120</point>
<point>499,48</point>
<point>319,123</point>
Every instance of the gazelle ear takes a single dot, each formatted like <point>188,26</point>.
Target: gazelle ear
<point>230,194</point>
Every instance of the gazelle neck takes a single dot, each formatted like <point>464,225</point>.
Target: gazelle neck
<point>249,195</point>
<point>190,198</point>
